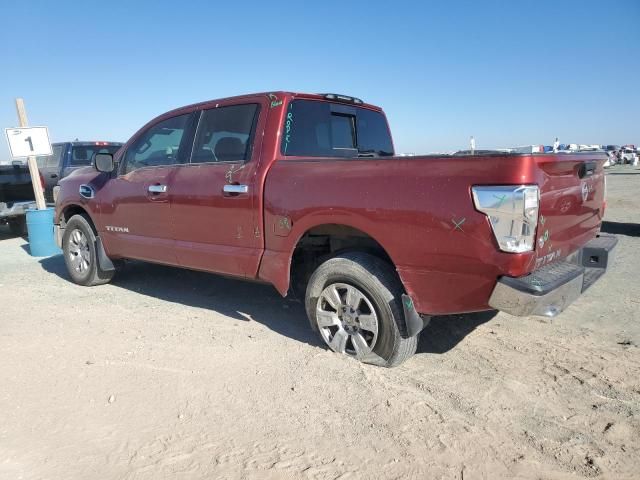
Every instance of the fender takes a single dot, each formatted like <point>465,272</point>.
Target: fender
<point>275,265</point>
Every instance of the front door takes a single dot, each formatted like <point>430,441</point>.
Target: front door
<point>213,198</point>
<point>135,209</point>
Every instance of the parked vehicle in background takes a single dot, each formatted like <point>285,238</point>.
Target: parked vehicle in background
<point>611,159</point>
<point>16,196</point>
<point>526,149</point>
<point>67,157</point>
<point>628,155</point>
<point>589,148</point>
<point>304,192</point>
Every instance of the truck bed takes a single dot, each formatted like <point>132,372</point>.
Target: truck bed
<point>421,212</point>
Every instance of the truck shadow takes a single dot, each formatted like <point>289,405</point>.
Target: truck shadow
<point>248,301</point>
<point>237,299</point>
<point>621,228</point>
<point>444,332</point>
<point>5,233</point>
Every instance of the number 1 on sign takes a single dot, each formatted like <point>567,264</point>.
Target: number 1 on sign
<point>28,139</point>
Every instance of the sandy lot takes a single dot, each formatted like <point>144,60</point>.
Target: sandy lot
<point>175,374</point>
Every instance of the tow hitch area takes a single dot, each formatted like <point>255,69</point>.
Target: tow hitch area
<point>552,288</point>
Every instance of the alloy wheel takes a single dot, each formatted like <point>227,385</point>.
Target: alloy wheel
<point>79,251</point>
<point>347,320</point>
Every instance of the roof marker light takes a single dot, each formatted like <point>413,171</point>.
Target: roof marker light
<point>342,98</point>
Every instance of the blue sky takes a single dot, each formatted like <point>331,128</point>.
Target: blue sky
<point>509,73</point>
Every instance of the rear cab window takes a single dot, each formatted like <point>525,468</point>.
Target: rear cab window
<point>315,128</point>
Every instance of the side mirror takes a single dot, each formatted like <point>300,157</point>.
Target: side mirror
<point>103,162</point>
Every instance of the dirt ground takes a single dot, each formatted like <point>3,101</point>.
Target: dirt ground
<point>168,373</point>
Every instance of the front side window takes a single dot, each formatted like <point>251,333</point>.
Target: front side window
<point>324,129</point>
<point>158,146</point>
<point>225,134</point>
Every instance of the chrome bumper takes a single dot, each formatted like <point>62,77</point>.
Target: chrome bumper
<point>16,208</point>
<point>551,289</point>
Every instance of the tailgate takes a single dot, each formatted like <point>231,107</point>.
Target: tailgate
<point>15,184</point>
<point>572,196</point>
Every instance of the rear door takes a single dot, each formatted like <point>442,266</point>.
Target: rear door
<point>213,197</point>
<point>571,203</point>
<point>135,213</point>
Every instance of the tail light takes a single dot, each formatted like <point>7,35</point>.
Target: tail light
<point>41,179</point>
<point>512,212</point>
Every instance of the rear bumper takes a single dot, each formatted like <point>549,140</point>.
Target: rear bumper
<point>551,289</point>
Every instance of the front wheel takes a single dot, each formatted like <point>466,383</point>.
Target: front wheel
<point>354,302</point>
<point>79,249</point>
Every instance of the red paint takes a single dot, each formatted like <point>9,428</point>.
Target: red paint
<point>409,205</point>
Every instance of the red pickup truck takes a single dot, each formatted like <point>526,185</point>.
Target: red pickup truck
<point>304,192</point>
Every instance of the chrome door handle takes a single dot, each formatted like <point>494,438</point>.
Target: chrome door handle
<point>157,189</point>
<point>235,189</point>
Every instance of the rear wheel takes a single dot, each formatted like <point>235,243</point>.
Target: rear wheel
<point>79,249</point>
<point>354,302</point>
<point>18,226</point>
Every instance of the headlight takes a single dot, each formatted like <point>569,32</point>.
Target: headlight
<point>56,190</point>
<point>513,214</point>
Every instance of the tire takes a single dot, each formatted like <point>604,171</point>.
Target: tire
<point>79,249</point>
<point>368,290</point>
<point>18,226</point>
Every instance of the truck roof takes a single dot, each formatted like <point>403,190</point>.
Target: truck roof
<point>284,94</point>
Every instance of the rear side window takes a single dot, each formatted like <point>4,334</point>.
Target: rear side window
<point>225,134</point>
<point>51,160</point>
<point>324,129</point>
<point>157,146</point>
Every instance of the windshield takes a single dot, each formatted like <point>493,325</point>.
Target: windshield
<point>83,154</point>
<point>324,129</point>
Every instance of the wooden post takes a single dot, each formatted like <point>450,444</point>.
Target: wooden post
<point>33,166</point>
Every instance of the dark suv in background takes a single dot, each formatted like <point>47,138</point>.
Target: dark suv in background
<point>67,157</point>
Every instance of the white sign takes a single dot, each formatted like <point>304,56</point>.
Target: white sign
<point>25,142</point>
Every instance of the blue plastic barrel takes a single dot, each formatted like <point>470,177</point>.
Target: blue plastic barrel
<point>41,236</point>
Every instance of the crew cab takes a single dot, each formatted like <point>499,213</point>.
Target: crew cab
<point>304,192</point>
<point>67,157</point>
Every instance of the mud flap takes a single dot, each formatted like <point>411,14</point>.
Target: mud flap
<point>105,262</point>
<point>414,323</point>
